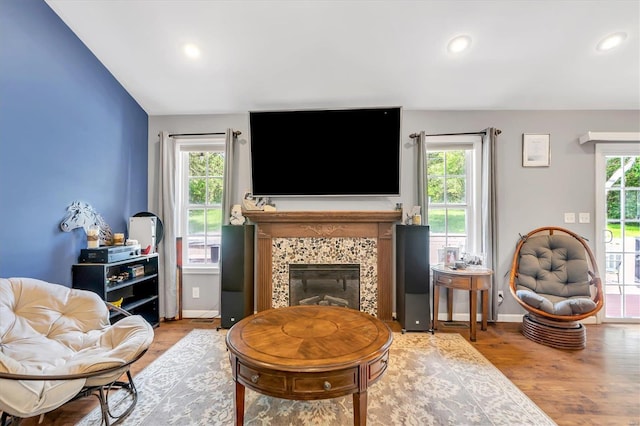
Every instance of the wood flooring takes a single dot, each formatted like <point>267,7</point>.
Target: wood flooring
<point>599,385</point>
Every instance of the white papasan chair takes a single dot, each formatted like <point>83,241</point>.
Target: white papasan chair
<point>57,344</point>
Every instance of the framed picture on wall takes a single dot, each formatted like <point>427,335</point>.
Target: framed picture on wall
<point>535,150</point>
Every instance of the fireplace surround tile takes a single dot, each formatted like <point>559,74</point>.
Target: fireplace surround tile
<point>362,251</point>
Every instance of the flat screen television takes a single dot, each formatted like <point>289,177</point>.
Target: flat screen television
<point>337,152</point>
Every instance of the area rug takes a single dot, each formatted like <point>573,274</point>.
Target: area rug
<point>431,380</point>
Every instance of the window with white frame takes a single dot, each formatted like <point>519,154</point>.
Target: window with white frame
<point>200,189</point>
<point>453,194</point>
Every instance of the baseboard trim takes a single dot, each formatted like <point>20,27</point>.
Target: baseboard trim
<point>462,317</point>
<point>510,318</point>
<point>200,314</point>
<point>503,318</point>
<point>441,317</point>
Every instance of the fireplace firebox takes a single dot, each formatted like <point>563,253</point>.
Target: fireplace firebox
<point>325,284</point>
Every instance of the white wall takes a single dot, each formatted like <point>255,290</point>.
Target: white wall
<point>528,197</point>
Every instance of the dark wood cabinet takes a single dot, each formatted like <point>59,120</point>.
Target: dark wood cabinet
<point>139,291</point>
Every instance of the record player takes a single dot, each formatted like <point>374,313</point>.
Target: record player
<point>109,254</point>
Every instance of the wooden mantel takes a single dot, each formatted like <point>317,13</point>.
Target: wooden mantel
<point>260,216</point>
<point>327,224</point>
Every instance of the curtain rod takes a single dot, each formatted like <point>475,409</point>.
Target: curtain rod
<point>415,135</point>
<point>235,133</point>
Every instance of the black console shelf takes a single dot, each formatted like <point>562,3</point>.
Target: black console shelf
<point>127,283</point>
<point>139,294</point>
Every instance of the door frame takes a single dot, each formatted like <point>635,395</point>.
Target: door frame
<point>601,151</point>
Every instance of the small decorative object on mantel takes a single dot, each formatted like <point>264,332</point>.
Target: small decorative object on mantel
<point>249,203</point>
<point>82,215</point>
<point>236,215</point>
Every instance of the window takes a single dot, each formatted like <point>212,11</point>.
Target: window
<point>453,194</point>
<point>200,191</point>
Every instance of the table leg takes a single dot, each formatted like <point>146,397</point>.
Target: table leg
<point>436,303</point>
<point>485,309</point>
<point>360,408</point>
<point>239,404</point>
<point>473,307</point>
<point>449,304</point>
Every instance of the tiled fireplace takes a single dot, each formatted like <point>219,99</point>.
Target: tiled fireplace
<point>321,250</point>
<point>325,284</point>
<point>361,238</point>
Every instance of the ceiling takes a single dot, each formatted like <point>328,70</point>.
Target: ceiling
<point>261,55</point>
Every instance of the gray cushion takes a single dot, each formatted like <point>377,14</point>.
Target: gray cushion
<point>575,306</point>
<point>535,300</point>
<point>555,265</point>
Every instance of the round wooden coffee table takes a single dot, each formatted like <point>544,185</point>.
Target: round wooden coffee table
<point>308,353</point>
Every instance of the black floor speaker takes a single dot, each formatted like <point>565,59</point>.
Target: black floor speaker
<point>412,277</point>
<point>236,273</point>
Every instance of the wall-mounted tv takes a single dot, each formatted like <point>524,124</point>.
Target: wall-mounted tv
<point>337,152</point>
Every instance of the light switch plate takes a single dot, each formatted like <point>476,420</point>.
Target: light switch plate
<point>569,218</point>
<point>584,217</point>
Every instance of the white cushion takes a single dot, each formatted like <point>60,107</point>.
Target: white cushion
<point>50,329</point>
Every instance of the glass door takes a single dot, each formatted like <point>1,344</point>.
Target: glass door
<point>618,236</point>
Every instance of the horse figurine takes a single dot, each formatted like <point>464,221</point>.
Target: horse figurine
<point>82,215</point>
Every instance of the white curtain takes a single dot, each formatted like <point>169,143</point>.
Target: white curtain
<point>167,213</point>
<point>227,193</point>
<point>422,176</point>
<point>489,238</point>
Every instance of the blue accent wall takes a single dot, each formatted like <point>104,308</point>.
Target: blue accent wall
<point>68,131</point>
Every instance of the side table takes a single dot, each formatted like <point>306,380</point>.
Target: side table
<point>472,279</point>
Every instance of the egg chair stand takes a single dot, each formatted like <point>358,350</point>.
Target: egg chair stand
<point>101,391</point>
<point>554,277</point>
<point>562,335</point>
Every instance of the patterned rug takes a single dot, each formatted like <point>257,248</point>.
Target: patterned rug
<point>431,380</point>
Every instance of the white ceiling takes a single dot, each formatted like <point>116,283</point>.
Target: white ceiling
<point>259,55</point>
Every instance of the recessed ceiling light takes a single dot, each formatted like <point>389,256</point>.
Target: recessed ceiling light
<point>191,50</point>
<point>611,41</point>
<point>459,44</point>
